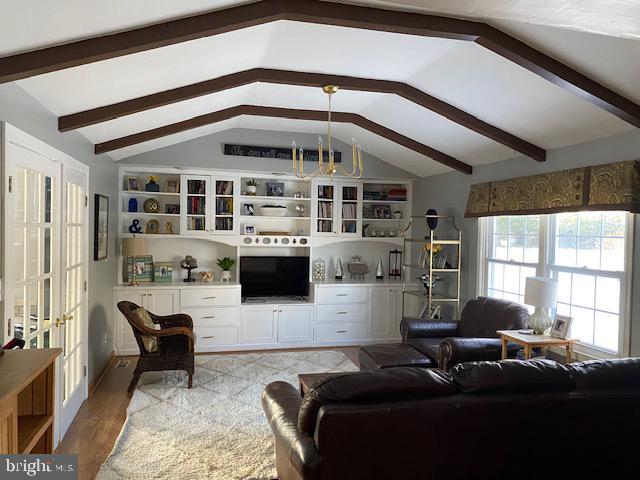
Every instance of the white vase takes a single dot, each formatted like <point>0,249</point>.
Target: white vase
<point>225,276</point>
<point>252,189</point>
<point>540,321</point>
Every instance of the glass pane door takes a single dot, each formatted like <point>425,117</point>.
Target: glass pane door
<point>224,206</point>
<point>350,206</point>
<point>73,314</point>
<point>33,271</point>
<point>325,206</point>
<point>195,194</point>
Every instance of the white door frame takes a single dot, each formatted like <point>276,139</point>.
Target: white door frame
<point>18,137</point>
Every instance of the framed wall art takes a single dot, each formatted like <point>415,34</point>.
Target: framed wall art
<point>101,227</point>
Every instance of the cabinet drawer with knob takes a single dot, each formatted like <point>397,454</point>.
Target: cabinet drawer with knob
<point>209,297</point>
<point>329,332</point>
<point>214,336</point>
<point>213,316</point>
<point>340,313</point>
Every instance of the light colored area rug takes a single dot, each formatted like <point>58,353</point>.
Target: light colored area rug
<point>216,430</point>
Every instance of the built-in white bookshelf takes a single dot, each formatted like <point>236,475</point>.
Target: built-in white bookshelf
<point>219,206</point>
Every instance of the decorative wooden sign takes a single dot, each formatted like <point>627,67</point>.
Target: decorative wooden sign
<point>310,154</point>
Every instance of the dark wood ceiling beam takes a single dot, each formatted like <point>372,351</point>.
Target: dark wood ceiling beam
<point>291,113</point>
<point>287,77</point>
<point>18,66</point>
<point>560,74</point>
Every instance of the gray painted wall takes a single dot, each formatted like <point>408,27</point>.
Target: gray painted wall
<point>448,193</point>
<point>21,110</point>
<point>207,152</point>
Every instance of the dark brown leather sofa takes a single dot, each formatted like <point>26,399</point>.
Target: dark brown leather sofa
<point>472,338</point>
<point>484,420</point>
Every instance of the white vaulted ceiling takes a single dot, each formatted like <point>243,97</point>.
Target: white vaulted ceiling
<point>463,74</point>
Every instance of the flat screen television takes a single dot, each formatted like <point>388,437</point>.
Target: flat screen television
<point>274,276</point>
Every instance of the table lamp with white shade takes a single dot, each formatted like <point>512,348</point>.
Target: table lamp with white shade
<point>541,293</point>
<point>133,247</point>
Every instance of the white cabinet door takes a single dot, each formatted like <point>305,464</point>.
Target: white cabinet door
<point>125,341</point>
<point>162,302</point>
<point>295,323</point>
<point>386,312</point>
<point>258,324</point>
<point>379,312</point>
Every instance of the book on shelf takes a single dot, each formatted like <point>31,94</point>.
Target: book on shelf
<point>196,223</point>
<point>325,191</point>
<point>325,209</point>
<point>350,193</point>
<point>224,206</point>
<point>325,226</point>
<point>349,211</point>
<point>224,187</point>
<point>349,227</point>
<point>224,223</point>
<point>196,187</point>
<point>391,194</point>
<point>195,205</point>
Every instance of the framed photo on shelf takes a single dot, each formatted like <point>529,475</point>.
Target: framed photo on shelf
<point>173,186</point>
<point>133,184</point>
<point>101,228</point>
<point>248,209</point>
<point>152,227</point>
<point>248,230</point>
<point>143,268</point>
<point>172,208</point>
<point>163,272</point>
<point>561,326</point>
<point>381,212</point>
<point>275,189</point>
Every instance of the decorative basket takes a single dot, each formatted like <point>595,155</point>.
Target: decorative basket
<point>273,211</point>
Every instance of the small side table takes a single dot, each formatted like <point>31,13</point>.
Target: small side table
<point>529,342</point>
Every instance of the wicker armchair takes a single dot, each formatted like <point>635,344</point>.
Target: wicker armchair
<point>174,343</point>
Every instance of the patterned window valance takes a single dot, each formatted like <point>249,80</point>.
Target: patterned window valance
<point>613,186</point>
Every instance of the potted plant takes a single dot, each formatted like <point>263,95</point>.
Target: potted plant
<point>252,186</point>
<point>225,264</point>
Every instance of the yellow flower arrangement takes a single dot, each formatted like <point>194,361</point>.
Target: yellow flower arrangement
<point>436,248</point>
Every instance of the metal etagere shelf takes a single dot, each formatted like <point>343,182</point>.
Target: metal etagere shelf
<point>431,301</point>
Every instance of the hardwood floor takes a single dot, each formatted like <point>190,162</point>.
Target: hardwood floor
<point>99,421</point>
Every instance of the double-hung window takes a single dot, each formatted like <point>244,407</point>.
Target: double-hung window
<point>513,255</point>
<point>587,252</point>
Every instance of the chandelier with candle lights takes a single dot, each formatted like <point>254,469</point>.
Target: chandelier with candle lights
<point>328,167</point>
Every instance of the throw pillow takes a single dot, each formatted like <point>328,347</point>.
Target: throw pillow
<point>150,343</point>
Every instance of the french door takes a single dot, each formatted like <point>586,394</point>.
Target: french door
<point>45,261</point>
<point>72,321</point>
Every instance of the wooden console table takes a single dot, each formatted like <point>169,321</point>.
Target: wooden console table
<point>529,342</point>
<point>27,393</point>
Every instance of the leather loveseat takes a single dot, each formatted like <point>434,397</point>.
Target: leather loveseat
<point>472,338</point>
<point>483,420</point>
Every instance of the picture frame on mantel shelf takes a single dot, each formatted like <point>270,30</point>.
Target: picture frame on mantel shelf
<point>143,266</point>
<point>101,227</point>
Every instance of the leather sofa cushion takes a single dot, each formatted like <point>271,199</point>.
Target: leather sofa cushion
<point>513,376</point>
<point>427,346</point>
<point>399,383</point>
<point>614,373</point>
<point>482,316</point>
